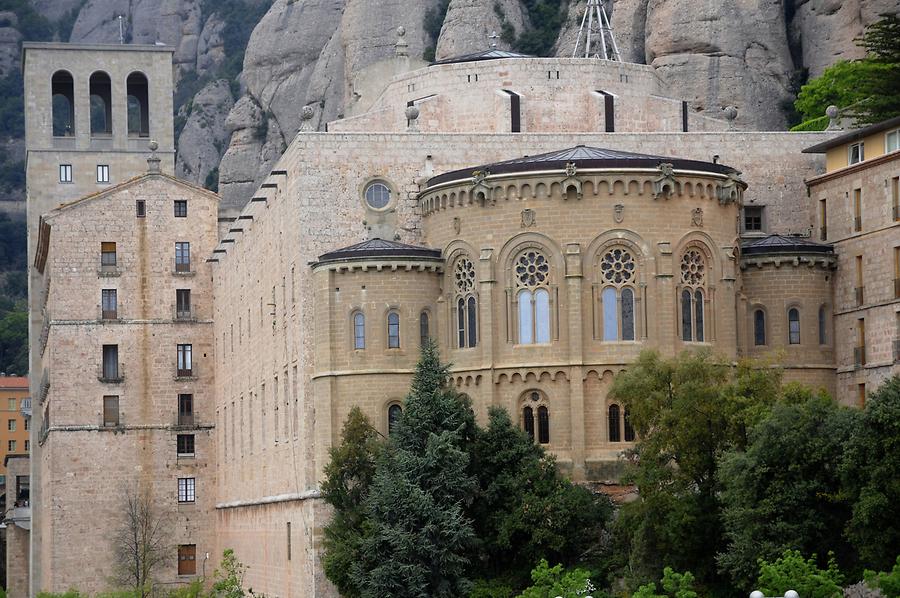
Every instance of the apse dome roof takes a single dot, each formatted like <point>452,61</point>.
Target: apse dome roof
<point>583,157</point>
<point>492,54</point>
<point>784,244</point>
<point>380,249</point>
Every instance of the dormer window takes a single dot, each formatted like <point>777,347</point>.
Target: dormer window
<point>856,153</point>
<point>892,141</point>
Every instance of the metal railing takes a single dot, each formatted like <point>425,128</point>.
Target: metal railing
<point>25,407</point>
<point>823,233</point>
<point>859,293</point>
<point>184,419</point>
<point>859,356</point>
<point>857,224</point>
<point>112,375</point>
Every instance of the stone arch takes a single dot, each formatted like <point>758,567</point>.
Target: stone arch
<point>137,94</point>
<point>62,98</point>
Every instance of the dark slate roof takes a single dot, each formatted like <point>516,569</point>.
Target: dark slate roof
<point>784,244</point>
<point>492,54</point>
<point>584,157</point>
<point>380,249</point>
<point>856,135</point>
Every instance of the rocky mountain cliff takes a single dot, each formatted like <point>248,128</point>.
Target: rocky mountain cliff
<point>246,68</point>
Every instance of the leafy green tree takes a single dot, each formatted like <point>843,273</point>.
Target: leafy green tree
<point>229,577</point>
<point>418,538</point>
<point>551,582</point>
<point>686,412</point>
<point>674,585</point>
<point>784,491</point>
<point>517,480</point>
<point>888,582</point>
<point>868,89</point>
<point>871,475</point>
<point>14,342</point>
<point>791,572</point>
<point>348,477</point>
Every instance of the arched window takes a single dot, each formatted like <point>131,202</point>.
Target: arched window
<point>423,328</point>
<point>693,295</point>
<point>528,421</point>
<point>794,326</point>
<point>532,271</point>
<point>543,425</point>
<point>466,304</point>
<point>614,435</point>
<point>359,331</point>
<point>395,412</point>
<point>138,92</point>
<point>617,271</point>
<point>536,416</point>
<point>823,335</point>
<point>101,104</point>
<point>62,88</point>
<point>629,429</point>
<point>759,327</point>
<point>393,324</point>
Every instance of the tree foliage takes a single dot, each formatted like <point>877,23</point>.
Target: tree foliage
<point>686,411</point>
<point>784,490</point>
<point>554,582</point>
<point>867,89</point>
<point>792,572</point>
<point>871,478</point>
<point>674,585</point>
<point>888,582</point>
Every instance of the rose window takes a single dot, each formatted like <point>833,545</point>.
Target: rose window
<point>532,269</point>
<point>617,266</point>
<point>693,268</point>
<point>465,276</point>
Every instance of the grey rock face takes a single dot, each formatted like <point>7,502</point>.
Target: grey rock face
<point>469,23</point>
<point>210,46</point>
<point>204,138</point>
<point>9,43</point>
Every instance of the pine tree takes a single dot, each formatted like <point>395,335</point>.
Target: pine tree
<point>418,539</point>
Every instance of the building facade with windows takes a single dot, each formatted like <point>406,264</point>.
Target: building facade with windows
<point>15,407</point>
<point>542,219</point>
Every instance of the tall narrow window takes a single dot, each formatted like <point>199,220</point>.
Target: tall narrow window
<point>861,394</point>
<point>528,421</point>
<point>185,410</point>
<point>359,331</point>
<point>614,435</point>
<point>107,255</point>
<point>856,153</point>
<point>823,219</point>
<point>857,210</point>
<point>895,198</point>
<point>897,272</point>
<point>860,351</point>
<point>823,336</point>
<point>138,105</point>
<point>185,367</point>
<point>182,256</point>
<point>543,425</point>
<point>532,271</point>
<point>617,270</point>
<point>101,104</point>
<point>466,303</point>
<point>629,429</point>
<point>62,87</point>
<point>794,326</point>
<point>140,208</point>
<point>693,296</point>
<point>393,329</point>
<point>423,329</point>
<point>183,304</point>
<point>759,327</point>
<point>288,540</point>
<point>395,412</point>
<point>110,362</point>
<point>859,291</point>
<point>109,305</point>
<point>110,410</point>
<point>187,559</point>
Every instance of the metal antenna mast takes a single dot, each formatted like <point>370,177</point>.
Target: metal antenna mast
<point>608,50</point>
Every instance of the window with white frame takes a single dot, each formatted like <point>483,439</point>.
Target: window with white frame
<point>102,173</point>
<point>532,272</point>
<point>856,153</point>
<point>65,173</point>
<point>186,490</point>
<point>617,297</point>
<point>393,329</point>
<point>359,331</point>
<point>892,141</point>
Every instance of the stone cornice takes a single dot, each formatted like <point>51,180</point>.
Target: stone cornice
<point>390,265</point>
<point>826,262</point>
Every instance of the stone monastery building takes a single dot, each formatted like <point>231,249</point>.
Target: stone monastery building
<point>544,219</point>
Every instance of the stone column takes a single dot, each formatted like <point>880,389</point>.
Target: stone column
<point>487,334</point>
<point>574,283</point>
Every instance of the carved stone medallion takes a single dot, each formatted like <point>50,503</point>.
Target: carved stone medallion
<point>457,224</point>
<point>697,217</point>
<point>619,213</point>
<point>528,218</point>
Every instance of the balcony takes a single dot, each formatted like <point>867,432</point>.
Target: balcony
<point>184,419</point>
<point>45,386</point>
<point>857,224</point>
<point>113,375</point>
<point>185,374</point>
<point>25,407</point>
<point>184,315</point>
<point>859,293</point>
<point>109,271</point>
<point>859,356</point>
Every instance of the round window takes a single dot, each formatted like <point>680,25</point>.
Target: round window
<point>378,196</point>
